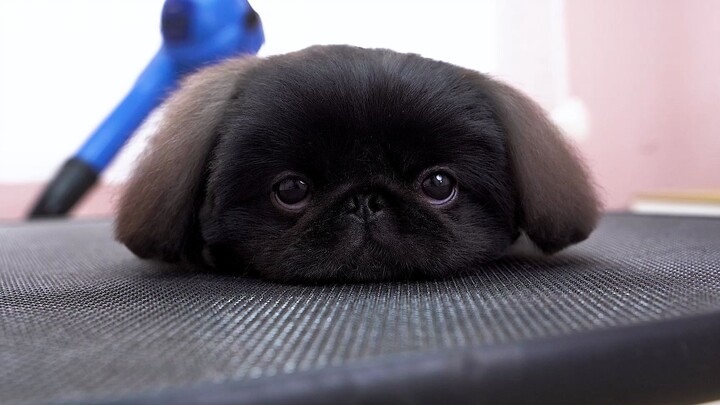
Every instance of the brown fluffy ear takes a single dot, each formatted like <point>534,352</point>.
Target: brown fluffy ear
<point>157,212</point>
<point>558,205</point>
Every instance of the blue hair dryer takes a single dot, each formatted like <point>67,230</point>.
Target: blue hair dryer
<point>195,33</point>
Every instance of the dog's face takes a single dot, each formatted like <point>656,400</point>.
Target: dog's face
<point>341,163</point>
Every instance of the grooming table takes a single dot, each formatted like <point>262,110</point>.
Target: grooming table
<point>630,316</point>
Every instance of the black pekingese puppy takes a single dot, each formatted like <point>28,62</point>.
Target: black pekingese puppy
<point>342,163</point>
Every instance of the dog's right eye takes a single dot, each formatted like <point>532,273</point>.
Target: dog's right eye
<point>291,192</point>
<point>439,187</point>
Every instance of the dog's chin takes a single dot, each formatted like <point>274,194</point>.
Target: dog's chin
<point>368,266</point>
<point>353,250</point>
<point>361,258</point>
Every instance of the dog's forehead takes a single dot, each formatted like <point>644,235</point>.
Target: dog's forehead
<point>359,111</point>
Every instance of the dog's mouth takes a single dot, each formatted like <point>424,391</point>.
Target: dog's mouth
<point>374,253</point>
<point>362,237</point>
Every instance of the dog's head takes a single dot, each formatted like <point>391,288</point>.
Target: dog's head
<point>342,163</point>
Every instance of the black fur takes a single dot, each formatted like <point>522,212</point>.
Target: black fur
<point>354,121</point>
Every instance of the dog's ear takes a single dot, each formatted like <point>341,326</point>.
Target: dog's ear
<point>158,211</point>
<point>558,204</point>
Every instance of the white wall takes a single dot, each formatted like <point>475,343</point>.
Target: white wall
<point>65,64</point>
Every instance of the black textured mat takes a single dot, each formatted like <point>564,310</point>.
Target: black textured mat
<point>82,319</point>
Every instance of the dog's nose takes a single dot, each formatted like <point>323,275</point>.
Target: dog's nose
<point>366,206</point>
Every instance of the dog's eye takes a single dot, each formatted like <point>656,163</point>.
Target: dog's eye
<point>439,187</point>
<point>291,192</point>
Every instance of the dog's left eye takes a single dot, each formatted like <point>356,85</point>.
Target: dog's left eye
<point>291,192</point>
<point>439,187</point>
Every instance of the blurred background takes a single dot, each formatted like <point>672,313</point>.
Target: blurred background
<point>634,83</point>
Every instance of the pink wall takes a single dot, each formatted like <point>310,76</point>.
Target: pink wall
<point>649,73</point>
